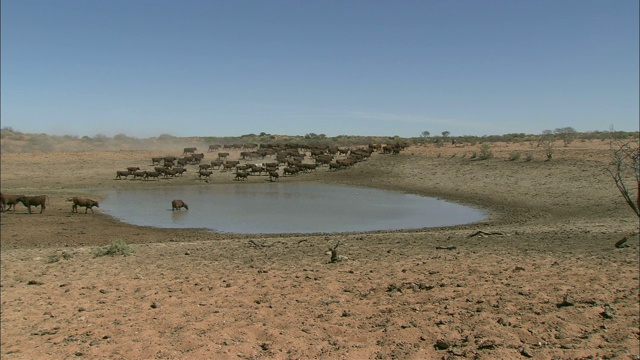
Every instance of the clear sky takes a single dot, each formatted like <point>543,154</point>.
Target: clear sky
<point>370,67</point>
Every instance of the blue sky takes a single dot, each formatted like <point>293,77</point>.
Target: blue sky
<point>380,68</point>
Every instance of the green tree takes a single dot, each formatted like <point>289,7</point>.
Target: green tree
<point>566,134</point>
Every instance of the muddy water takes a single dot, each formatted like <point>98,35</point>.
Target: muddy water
<point>285,208</point>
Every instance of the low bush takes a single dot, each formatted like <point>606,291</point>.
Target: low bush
<point>118,247</point>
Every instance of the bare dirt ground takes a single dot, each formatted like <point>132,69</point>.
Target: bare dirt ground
<point>192,294</point>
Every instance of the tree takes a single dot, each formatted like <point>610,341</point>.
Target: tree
<point>566,134</point>
<point>626,158</point>
<point>425,134</point>
<point>445,134</point>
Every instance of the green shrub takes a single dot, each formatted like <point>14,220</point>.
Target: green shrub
<point>515,155</point>
<point>54,258</point>
<point>485,152</point>
<point>118,247</point>
<point>473,155</point>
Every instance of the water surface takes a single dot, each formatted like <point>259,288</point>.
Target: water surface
<point>284,208</point>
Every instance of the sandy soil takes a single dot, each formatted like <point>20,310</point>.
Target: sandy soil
<point>188,294</point>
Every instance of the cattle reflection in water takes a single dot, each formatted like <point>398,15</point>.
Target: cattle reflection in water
<point>278,207</point>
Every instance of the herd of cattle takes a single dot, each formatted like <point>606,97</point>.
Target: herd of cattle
<point>270,160</point>
<point>286,159</point>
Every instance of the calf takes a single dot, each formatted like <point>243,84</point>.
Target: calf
<point>88,204</point>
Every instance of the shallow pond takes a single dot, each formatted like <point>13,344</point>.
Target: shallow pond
<point>285,208</point>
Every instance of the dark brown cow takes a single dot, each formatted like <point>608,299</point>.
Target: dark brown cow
<point>38,200</point>
<point>151,174</point>
<point>86,203</point>
<point>139,174</point>
<point>178,204</point>
<point>132,169</point>
<point>273,175</point>
<point>223,155</point>
<point>243,175</point>
<point>205,173</point>
<point>180,170</point>
<point>213,147</point>
<point>189,150</point>
<point>290,170</point>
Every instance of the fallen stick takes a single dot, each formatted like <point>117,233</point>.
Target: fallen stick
<point>484,233</point>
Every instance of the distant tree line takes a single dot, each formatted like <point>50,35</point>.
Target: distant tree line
<point>19,141</point>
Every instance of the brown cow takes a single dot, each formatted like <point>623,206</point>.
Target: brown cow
<point>11,201</point>
<point>205,173</point>
<point>87,204</point>
<point>151,174</point>
<point>178,204</point>
<point>121,173</point>
<point>38,200</point>
<point>273,175</point>
<point>243,175</point>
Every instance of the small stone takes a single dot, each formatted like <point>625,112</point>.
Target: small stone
<point>526,352</point>
<point>442,344</point>
<point>154,305</point>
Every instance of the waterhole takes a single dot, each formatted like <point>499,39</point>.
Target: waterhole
<point>285,208</point>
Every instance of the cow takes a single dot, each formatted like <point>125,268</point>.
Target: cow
<point>243,175</point>
<point>223,155</point>
<point>87,204</point>
<point>204,166</point>
<point>308,167</point>
<point>139,174</point>
<point>178,204</point>
<point>3,202</point>
<point>189,150</point>
<point>216,164</point>
<point>151,174</point>
<point>121,173</point>
<point>156,160</point>
<point>132,169</point>
<point>38,200</point>
<point>197,158</point>
<point>290,170</point>
<point>205,173</point>
<point>180,170</point>
<point>10,201</point>
<point>335,166</point>
<point>273,175</point>
<point>213,148</point>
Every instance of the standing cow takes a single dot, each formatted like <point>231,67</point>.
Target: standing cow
<point>9,201</point>
<point>178,204</point>
<point>38,200</point>
<point>88,204</point>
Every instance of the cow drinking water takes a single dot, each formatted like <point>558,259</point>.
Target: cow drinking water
<point>178,204</point>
